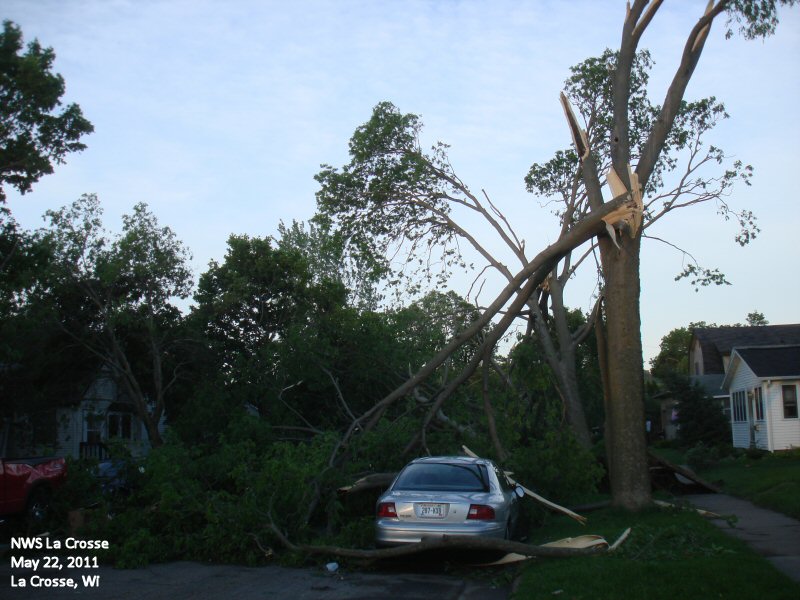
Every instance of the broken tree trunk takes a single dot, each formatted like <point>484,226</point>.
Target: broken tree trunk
<point>688,473</point>
<point>369,482</point>
<point>444,543</point>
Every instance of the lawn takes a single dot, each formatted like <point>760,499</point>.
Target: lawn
<point>669,554</point>
<point>770,480</point>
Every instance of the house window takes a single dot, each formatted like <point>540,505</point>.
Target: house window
<point>93,427</point>
<point>758,402</point>
<point>120,426</point>
<point>739,400</point>
<point>789,402</point>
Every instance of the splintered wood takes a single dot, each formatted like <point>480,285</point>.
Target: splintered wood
<point>631,213</point>
<point>578,134</point>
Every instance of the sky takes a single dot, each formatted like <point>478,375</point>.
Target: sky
<point>218,116</point>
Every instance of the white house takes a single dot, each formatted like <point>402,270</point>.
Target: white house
<point>764,384</point>
<point>102,416</point>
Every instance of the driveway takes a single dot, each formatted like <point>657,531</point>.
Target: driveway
<point>200,581</point>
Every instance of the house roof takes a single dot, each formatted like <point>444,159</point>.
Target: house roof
<point>772,361</point>
<point>711,384</point>
<point>766,362</point>
<point>716,342</point>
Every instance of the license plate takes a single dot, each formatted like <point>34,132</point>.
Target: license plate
<point>430,510</point>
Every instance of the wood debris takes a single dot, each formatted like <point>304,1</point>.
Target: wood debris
<point>594,543</point>
<point>659,462</point>
<point>368,482</point>
<point>631,213</point>
<point>578,133</point>
<point>699,511</point>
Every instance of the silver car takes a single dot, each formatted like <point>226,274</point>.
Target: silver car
<point>447,495</point>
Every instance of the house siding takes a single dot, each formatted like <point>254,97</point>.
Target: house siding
<point>741,435</point>
<point>89,422</point>
<point>70,432</point>
<point>785,432</point>
<point>745,380</point>
<point>696,359</point>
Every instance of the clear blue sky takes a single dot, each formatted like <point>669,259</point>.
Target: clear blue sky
<point>218,114</point>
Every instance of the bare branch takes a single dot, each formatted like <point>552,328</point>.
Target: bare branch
<point>644,21</point>
<point>339,393</point>
<point>534,272</point>
<point>580,335</point>
<point>691,55</point>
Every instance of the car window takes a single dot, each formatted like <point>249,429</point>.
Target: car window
<point>443,477</point>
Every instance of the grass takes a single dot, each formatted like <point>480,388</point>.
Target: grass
<point>669,554</point>
<point>771,480</point>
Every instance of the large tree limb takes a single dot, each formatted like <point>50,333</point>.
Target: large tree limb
<point>672,101</point>
<point>582,231</point>
<point>489,341</point>
<point>445,543</point>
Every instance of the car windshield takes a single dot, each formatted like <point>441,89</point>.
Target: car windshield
<point>443,477</point>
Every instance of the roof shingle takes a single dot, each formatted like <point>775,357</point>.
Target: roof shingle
<point>716,342</point>
<point>773,361</point>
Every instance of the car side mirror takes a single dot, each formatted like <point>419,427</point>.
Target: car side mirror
<point>519,491</point>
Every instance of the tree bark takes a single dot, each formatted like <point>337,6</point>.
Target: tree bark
<point>625,434</point>
<point>487,406</point>
<point>564,367</point>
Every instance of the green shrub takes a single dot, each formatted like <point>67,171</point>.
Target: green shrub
<point>220,501</point>
<point>702,457</point>
<point>755,453</point>
<point>556,467</point>
<point>700,418</point>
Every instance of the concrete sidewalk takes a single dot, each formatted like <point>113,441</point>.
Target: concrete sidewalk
<point>773,535</point>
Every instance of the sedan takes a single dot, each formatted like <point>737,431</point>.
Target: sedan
<point>441,496</point>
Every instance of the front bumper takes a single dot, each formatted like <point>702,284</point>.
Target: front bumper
<point>392,532</point>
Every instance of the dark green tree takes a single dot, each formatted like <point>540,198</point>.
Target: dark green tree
<point>114,297</point>
<point>673,355</point>
<point>251,306</point>
<point>756,318</point>
<point>34,133</point>
<point>700,418</point>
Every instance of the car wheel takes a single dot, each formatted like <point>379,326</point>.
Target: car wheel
<point>38,506</point>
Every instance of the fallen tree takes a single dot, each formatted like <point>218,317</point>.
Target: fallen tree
<point>560,549</point>
<point>392,191</point>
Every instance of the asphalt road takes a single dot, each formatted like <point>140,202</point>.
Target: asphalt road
<point>199,581</point>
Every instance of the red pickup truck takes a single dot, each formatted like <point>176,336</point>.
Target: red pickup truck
<point>26,484</point>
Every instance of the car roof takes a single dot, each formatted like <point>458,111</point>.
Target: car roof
<point>457,460</point>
